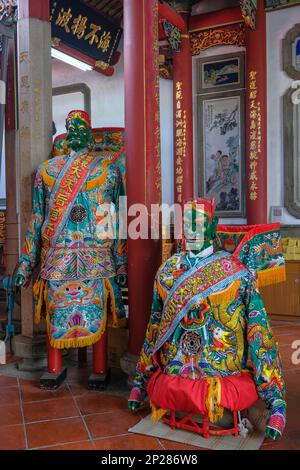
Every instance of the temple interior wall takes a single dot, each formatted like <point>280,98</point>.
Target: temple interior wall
<point>279,22</point>
<point>108,107</point>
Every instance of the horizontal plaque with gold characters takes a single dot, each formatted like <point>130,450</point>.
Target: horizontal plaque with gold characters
<point>83,29</point>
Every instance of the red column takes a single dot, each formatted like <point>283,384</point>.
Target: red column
<point>183,122</point>
<point>256,120</point>
<point>100,355</point>
<point>143,177</point>
<point>54,359</point>
<point>39,9</point>
<point>11,222</point>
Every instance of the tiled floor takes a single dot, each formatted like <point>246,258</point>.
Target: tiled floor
<point>74,418</point>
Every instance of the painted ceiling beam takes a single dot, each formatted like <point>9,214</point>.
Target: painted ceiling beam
<point>216,18</point>
<point>168,13</point>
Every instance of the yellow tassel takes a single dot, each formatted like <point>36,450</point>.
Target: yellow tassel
<point>161,291</point>
<point>39,292</point>
<point>157,413</point>
<point>271,276</point>
<point>48,180</point>
<point>214,409</point>
<point>226,295</point>
<point>109,293</point>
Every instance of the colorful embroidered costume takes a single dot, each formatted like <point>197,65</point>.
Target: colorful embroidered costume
<point>79,256</point>
<point>209,344</point>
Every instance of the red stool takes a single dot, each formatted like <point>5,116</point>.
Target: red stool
<point>205,428</point>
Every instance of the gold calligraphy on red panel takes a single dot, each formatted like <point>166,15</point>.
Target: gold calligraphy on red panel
<point>180,141</point>
<point>254,135</point>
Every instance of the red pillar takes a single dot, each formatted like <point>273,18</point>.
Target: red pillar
<point>54,359</point>
<point>143,177</point>
<point>100,355</point>
<point>256,120</point>
<point>39,9</point>
<point>183,122</point>
<point>11,222</point>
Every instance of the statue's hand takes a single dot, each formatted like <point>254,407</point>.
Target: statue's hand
<point>133,405</point>
<point>19,280</point>
<point>272,434</point>
<point>121,280</point>
<point>135,399</point>
<point>276,421</point>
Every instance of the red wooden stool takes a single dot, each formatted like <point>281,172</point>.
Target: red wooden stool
<point>205,428</point>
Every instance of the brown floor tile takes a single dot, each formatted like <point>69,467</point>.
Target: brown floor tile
<point>171,445</point>
<point>292,430</point>
<point>286,351</point>
<point>31,391</point>
<point>10,414</point>
<point>78,389</point>
<point>12,438</point>
<point>275,323</point>
<point>50,409</point>
<point>286,329</point>
<point>130,442</point>
<point>60,431</point>
<point>294,443</point>
<point>111,424</point>
<point>292,382</point>
<point>9,396</point>
<point>100,403</point>
<point>282,444</point>
<point>8,381</point>
<point>84,445</point>
<point>288,340</point>
<point>79,374</point>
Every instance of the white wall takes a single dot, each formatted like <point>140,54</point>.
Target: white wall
<point>278,24</point>
<point>107,94</point>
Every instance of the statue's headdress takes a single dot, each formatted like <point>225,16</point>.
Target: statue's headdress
<point>79,114</point>
<point>209,205</point>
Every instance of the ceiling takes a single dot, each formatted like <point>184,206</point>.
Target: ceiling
<point>111,8</point>
<point>114,8</point>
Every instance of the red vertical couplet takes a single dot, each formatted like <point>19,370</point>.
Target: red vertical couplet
<point>256,120</point>
<point>153,161</point>
<point>183,122</point>
<point>143,179</point>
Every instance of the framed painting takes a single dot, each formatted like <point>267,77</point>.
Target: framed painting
<point>291,52</point>
<point>277,4</point>
<point>221,72</point>
<point>221,145</point>
<point>291,120</point>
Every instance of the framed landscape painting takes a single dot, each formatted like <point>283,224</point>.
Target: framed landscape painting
<point>220,73</point>
<point>221,144</point>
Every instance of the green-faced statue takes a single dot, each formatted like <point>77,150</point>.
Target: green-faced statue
<point>199,226</point>
<point>78,127</point>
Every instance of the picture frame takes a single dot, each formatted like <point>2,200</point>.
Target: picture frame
<point>221,151</point>
<point>291,52</point>
<point>278,4</point>
<point>220,73</point>
<point>291,128</point>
